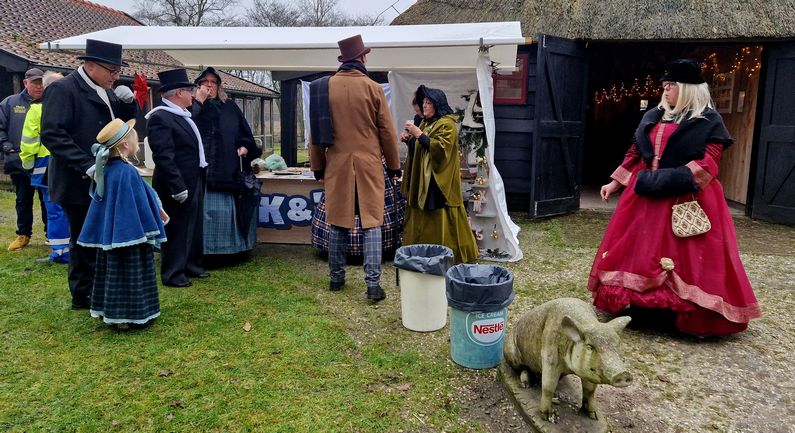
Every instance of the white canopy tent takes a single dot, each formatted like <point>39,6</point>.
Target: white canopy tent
<point>471,49</point>
<point>438,47</point>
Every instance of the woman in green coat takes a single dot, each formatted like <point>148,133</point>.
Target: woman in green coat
<point>432,181</point>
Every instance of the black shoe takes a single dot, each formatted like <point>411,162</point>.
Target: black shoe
<point>376,293</point>
<point>336,287</point>
<point>80,305</point>
<point>201,276</point>
<point>180,284</point>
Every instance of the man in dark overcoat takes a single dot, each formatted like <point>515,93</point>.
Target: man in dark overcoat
<point>74,110</point>
<point>179,178</point>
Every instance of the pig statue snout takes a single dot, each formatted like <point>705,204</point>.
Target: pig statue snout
<point>564,336</point>
<point>621,380</point>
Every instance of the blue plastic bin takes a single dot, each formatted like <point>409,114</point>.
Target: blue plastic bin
<point>478,296</point>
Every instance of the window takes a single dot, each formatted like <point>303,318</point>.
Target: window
<point>510,88</point>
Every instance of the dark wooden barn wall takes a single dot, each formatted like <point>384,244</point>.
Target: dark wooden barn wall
<point>513,141</point>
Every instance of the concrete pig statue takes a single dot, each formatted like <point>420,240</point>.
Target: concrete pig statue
<point>561,337</point>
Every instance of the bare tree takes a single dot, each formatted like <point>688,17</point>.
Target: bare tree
<point>304,13</point>
<point>186,12</point>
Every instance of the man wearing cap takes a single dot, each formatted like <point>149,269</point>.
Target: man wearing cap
<point>178,153</point>
<point>12,119</point>
<point>351,128</point>
<point>74,110</point>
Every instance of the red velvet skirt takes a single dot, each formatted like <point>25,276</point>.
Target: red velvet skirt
<point>707,287</point>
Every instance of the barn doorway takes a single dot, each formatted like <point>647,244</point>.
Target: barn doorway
<point>623,84</point>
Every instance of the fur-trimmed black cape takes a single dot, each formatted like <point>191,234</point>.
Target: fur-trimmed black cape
<point>687,143</point>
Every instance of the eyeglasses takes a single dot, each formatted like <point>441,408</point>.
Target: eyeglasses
<point>671,84</point>
<point>113,71</point>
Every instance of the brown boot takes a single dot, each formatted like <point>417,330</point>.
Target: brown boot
<point>20,242</point>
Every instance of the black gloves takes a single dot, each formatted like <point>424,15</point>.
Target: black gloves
<point>425,141</point>
<point>665,182</point>
<point>393,173</point>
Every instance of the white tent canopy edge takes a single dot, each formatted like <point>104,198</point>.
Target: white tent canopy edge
<point>433,47</point>
<point>420,48</point>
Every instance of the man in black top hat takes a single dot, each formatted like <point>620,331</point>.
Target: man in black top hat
<point>74,110</point>
<point>178,153</point>
<point>13,110</point>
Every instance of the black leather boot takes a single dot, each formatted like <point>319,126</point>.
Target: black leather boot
<point>376,293</point>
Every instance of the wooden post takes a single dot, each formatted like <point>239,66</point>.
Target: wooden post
<point>289,93</point>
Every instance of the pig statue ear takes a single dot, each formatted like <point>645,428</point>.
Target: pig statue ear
<point>571,329</point>
<point>619,323</point>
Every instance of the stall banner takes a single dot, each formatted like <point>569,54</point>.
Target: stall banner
<point>279,211</point>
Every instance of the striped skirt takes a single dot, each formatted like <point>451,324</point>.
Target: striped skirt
<point>222,234</point>
<point>125,285</point>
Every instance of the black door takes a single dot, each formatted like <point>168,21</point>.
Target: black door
<point>774,186</point>
<point>559,124</point>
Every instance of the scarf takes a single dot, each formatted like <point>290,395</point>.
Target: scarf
<point>102,93</point>
<point>186,115</point>
<point>320,125</point>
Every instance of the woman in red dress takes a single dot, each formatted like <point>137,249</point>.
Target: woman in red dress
<point>674,158</point>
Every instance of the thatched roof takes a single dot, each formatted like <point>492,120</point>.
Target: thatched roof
<point>619,19</point>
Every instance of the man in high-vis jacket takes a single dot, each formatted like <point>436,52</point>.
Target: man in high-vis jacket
<point>35,156</point>
<point>12,116</point>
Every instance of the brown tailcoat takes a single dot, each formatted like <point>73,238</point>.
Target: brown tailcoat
<point>363,130</point>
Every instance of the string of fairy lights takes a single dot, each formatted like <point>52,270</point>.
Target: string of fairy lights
<point>746,62</point>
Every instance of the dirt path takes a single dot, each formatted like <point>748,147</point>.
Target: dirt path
<point>743,383</point>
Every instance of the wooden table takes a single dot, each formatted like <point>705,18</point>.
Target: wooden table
<point>285,210</point>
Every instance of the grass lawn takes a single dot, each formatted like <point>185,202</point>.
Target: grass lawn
<point>321,361</point>
<point>299,368</point>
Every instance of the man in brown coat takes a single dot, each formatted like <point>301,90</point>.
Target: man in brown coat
<point>351,128</point>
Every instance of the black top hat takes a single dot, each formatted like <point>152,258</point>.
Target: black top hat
<point>683,71</point>
<point>103,52</point>
<point>173,79</point>
<point>203,74</point>
<point>351,48</point>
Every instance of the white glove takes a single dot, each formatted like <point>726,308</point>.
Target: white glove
<point>124,94</point>
<point>90,171</point>
<point>181,196</point>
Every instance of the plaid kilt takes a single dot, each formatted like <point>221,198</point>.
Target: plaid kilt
<point>125,285</point>
<point>222,234</point>
<point>391,230</point>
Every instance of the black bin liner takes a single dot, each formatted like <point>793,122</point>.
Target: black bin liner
<point>424,258</point>
<point>483,288</point>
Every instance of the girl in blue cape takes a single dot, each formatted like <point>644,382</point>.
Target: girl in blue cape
<point>125,223</point>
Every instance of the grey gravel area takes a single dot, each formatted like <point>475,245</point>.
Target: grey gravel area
<point>742,383</point>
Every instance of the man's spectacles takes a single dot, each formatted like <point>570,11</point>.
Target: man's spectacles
<point>113,71</point>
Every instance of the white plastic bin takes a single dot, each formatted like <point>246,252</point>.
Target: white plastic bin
<point>423,298</point>
<point>423,301</point>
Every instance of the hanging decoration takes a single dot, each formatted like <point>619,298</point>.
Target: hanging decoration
<point>746,62</point>
<point>140,89</point>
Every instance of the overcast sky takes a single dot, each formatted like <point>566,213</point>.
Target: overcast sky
<point>350,7</point>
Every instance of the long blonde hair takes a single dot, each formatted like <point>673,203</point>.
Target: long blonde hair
<point>692,101</point>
